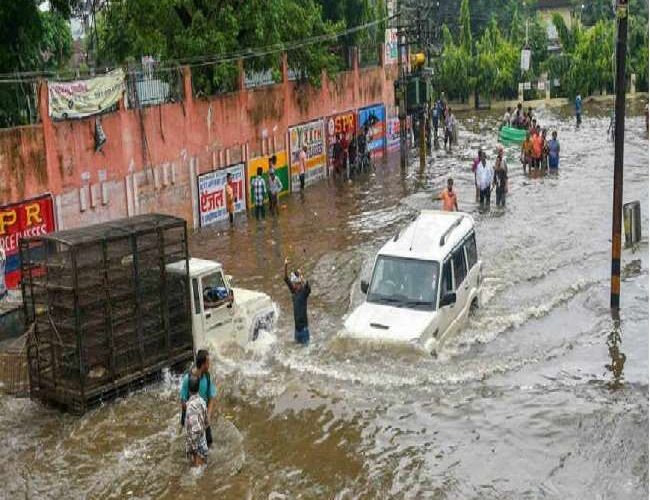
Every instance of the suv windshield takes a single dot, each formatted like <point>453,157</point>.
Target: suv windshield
<point>404,283</point>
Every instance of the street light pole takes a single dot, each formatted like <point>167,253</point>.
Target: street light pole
<point>619,124</point>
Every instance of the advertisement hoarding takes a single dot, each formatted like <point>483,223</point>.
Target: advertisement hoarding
<point>212,193</point>
<point>312,135</point>
<point>392,134</point>
<point>344,124</point>
<point>33,217</point>
<point>281,171</point>
<point>375,117</point>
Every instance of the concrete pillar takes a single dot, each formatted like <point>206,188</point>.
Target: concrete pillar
<point>52,164</point>
<point>548,90</point>
<point>520,92</point>
<point>633,84</point>
<point>355,76</point>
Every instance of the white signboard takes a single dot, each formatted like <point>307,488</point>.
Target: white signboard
<point>525,59</point>
<point>212,193</point>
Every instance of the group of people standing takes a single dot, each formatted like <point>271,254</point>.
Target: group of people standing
<point>441,113</point>
<point>352,152</point>
<point>537,150</point>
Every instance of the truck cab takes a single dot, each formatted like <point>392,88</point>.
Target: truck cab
<point>221,313</point>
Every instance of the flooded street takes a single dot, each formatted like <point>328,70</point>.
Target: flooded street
<point>523,403</point>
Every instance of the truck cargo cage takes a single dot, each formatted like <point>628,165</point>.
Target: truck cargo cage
<point>107,315</point>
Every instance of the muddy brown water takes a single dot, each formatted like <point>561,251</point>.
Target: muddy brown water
<point>525,402</point>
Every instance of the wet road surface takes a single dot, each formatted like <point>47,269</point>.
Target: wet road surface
<point>524,403</point>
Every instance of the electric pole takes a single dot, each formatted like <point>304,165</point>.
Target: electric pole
<point>401,76</point>
<point>619,137</point>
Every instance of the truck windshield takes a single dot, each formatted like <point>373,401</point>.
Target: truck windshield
<point>404,283</point>
<point>215,292</point>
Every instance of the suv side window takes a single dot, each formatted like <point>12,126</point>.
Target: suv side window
<point>472,254</point>
<point>460,266</point>
<point>447,285</point>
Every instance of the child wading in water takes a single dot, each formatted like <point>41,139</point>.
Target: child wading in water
<point>196,421</point>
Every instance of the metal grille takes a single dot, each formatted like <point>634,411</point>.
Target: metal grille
<point>106,313</point>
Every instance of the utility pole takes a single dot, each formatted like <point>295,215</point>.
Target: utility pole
<point>401,45</point>
<point>422,39</point>
<point>619,137</point>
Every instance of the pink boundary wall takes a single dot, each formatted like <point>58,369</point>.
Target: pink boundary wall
<point>152,156</point>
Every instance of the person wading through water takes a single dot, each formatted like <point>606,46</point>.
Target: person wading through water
<point>300,290</point>
<point>230,199</point>
<point>501,177</point>
<point>448,197</point>
<point>207,390</point>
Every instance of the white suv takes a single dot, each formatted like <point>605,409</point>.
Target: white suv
<point>424,282</point>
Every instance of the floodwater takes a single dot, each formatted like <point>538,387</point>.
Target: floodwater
<point>540,396</point>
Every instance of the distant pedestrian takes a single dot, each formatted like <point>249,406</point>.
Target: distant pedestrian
<point>195,425</point>
<point>258,188</point>
<point>230,198</point>
<point>302,165</point>
<point>500,177</point>
<point>436,112</point>
<point>206,390</point>
<point>507,117</point>
<point>448,197</point>
<point>578,110</point>
<point>475,163</point>
<point>273,164</point>
<point>450,125</point>
<point>275,187</point>
<point>484,179</point>
<point>536,138</point>
<point>300,290</point>
<point>554,153</point>
<point>527,152</point>
<point>544,151</point>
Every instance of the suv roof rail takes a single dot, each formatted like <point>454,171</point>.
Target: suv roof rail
<point>453,226</point>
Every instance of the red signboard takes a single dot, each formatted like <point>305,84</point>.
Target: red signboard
<point>34,217</point>
<point>343,126</point>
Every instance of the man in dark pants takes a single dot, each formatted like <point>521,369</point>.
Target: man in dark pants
<point>300,291</point>
<point>207,389</point>
<point>258,189</point>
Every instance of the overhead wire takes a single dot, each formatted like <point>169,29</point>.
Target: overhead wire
<point>211,59</point>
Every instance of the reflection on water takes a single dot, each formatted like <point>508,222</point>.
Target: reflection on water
<point>617,357</point>
<point>516,406</point>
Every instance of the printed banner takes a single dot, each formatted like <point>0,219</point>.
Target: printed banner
<point>82,98</point>
<point>390,56</point>
<point>212,194</point>
<point>311,135</point>
<point>375,118</point>
<point>281,172</point>
<point>34,217</point>
<point>343,125</point>
<point>392,134</point>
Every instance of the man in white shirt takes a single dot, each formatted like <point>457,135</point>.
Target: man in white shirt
<point>484,179</point>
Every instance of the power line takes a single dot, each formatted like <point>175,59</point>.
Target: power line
<point>210,59</point>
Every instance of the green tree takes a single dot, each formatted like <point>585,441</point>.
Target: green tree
<point>454,72</point>
<point>592,63</point>
<point>464,21</point>
<point>189,29</point>
<point>30,40</point>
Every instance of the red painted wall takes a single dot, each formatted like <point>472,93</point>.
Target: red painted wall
<point>151,156</point>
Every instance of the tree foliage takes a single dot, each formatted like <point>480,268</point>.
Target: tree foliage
<point>184,29</point>
<point>30,40</point>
